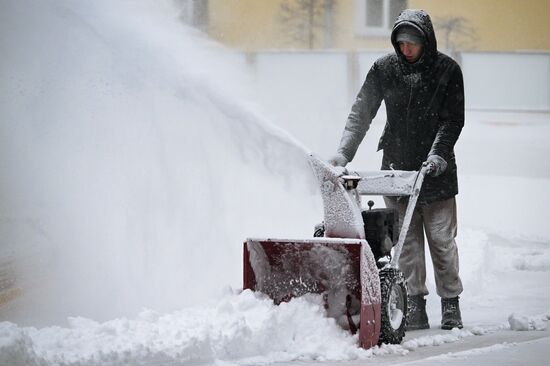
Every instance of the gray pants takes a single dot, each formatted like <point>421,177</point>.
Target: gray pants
<point>438,220</point>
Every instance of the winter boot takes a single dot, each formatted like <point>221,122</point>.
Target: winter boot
<point>450,314</point>
<point>417,317</point>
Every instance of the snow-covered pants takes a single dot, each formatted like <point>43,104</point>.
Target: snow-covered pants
<point>438,220</point>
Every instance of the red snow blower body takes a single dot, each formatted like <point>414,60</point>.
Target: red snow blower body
<point>352,260</point>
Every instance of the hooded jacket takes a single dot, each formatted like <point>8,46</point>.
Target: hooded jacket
<point>424,106</point>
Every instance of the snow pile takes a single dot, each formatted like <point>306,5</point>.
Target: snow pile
<point>534,261</point>
<point>244,329</point>
<point>523,322</point>
<point>436,340</point>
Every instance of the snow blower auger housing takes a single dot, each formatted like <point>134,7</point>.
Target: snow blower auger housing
<point>352,261</point>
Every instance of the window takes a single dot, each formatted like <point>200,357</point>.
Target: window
<point>195,13</point>
<point>376,17</point>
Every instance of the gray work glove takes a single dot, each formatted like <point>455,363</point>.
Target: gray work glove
<point>338,160</point>
<point>437,164</point>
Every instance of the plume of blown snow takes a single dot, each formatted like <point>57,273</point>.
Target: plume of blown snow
<point>133,164</point>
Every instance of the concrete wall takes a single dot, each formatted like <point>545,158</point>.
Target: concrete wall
<point>310,93</point>
<point>507,81</point>
<point>493,81</point>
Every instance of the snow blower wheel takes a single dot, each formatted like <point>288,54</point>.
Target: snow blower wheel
<point>393,306</point>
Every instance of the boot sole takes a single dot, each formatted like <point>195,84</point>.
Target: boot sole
<point>450,327</point>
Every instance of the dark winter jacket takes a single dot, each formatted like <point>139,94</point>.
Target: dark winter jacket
<point>425,109</point>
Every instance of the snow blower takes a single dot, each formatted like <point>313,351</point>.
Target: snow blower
<point>352,260</point>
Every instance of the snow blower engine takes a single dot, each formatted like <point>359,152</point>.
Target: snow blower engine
<point>352,260</point>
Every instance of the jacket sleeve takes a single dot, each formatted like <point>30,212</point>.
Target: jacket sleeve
<point>451,117</point>
<point>362,113</point>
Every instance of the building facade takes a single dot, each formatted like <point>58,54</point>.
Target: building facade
<point>461,25</point>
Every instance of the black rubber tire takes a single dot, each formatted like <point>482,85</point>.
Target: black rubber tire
<point>392,280</point>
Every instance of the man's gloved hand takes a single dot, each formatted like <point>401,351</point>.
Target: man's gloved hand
<point>437,164</point>
<point>338,160</point>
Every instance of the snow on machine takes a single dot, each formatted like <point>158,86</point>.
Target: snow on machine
<point>352,261</point>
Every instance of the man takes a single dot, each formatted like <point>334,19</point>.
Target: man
<point>424,96</point>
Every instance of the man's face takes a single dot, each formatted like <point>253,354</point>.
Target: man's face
<point>411,51</point>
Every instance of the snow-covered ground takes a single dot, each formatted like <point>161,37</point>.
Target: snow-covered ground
<point>133,166</point>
